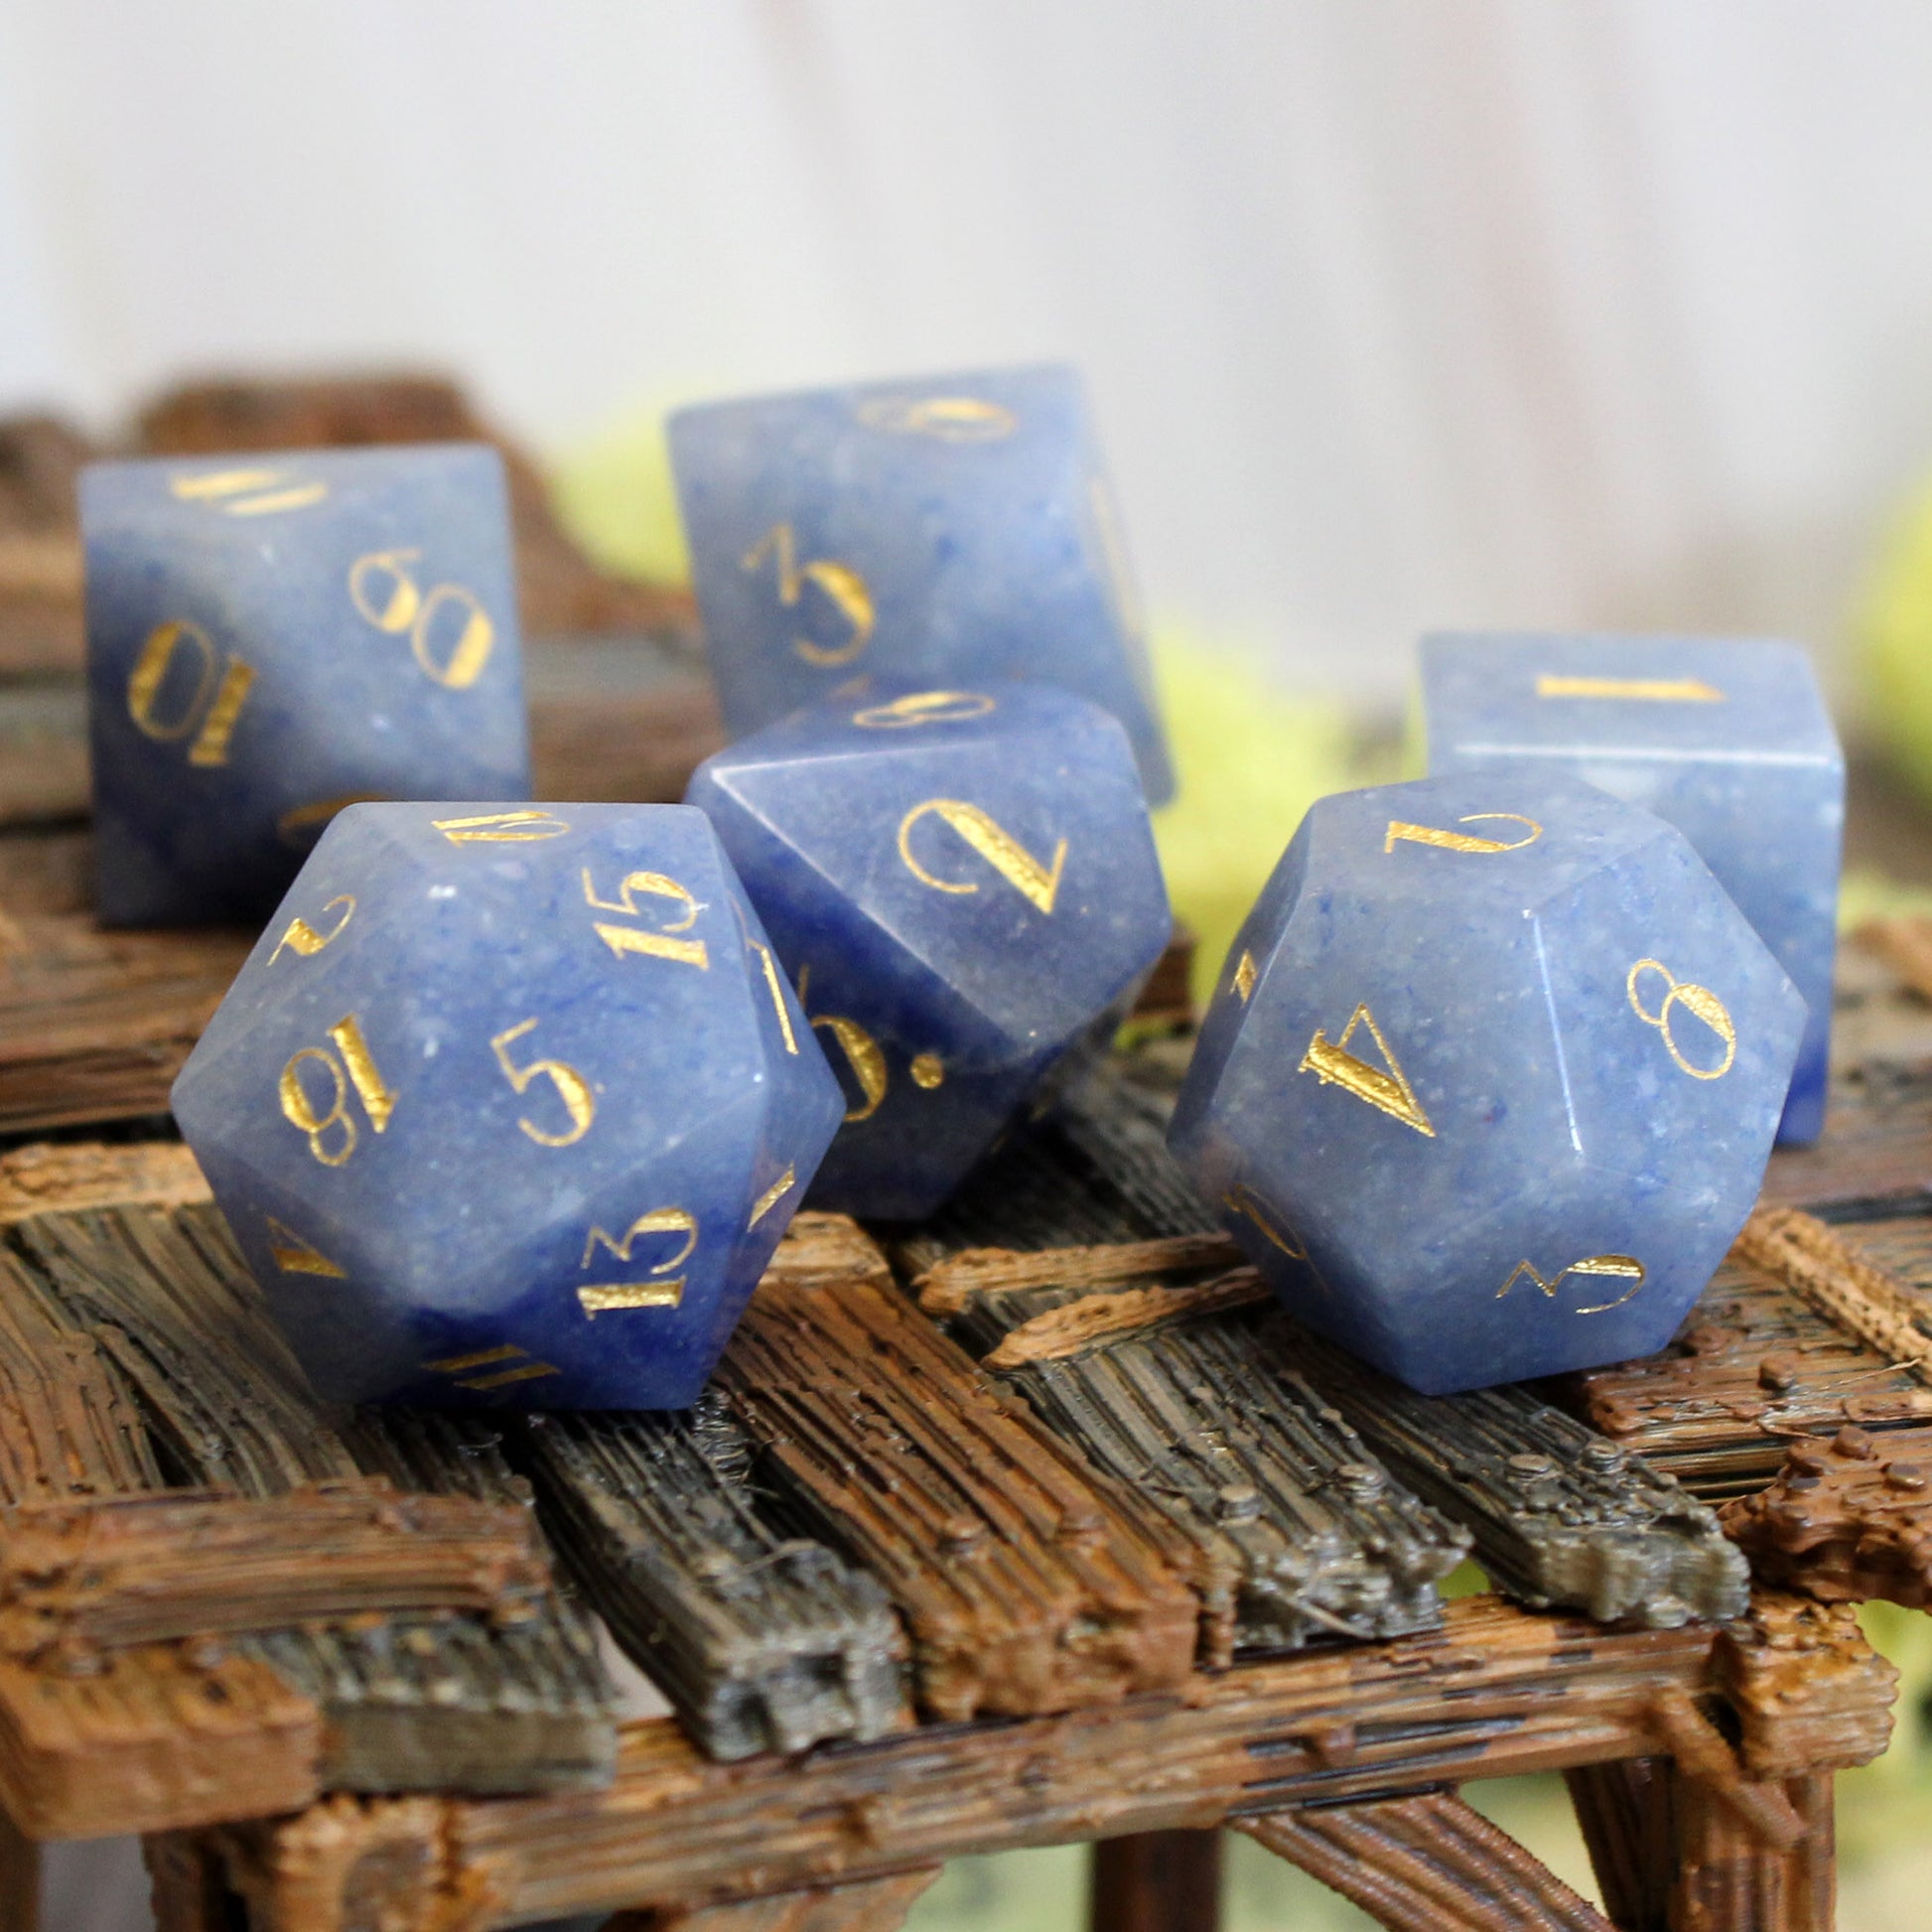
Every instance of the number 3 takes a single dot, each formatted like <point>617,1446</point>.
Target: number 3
<point>572,1088</point>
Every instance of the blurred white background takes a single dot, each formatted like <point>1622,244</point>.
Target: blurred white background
<point>1398,311</point>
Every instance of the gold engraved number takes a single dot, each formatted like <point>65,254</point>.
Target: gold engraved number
<point>994,843</point>
<point>301,937</point>
<point>217,698</point>
<point>1400,830</point>
<point>1698,1000</point>
<point>247,492</point>
<point>862,1054</point>
<point>841,586</point>
<point>924,708</point>
<point>355,1068</point>
<point>947,419</point>
<point>388,596</point>
<point>1617,1268</point>
<point>502,828</point>
<point>572,1088</point>
<point>1243,1200</point>
<point>1650,690</point>
<point>1389,1091</point>
<point>463,1367</point>
<point>295,1256</point>
<point>598,1297</point>
<point>661,944</point>
<point>1245,977</point>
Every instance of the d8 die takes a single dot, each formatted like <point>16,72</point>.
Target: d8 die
<point>961,884</point>
<point>1491,1077</point>
<point>272,637</point>
<point>945,532</point>
<point>511,1105</point>
<point>1730,741</point>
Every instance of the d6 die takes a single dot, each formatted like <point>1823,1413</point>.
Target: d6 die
<point>1491,1077</point>
<point>961,884</point>
<point>511,1105</point>
<point>947,531</point>
<point>271,636</point>
<point>1730,741</point>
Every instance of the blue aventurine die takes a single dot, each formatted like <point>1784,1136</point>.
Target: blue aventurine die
<point>272,637</point>
<point>962,885</point>
<point>1490,1079</point>
<point>511,1105</point>
<point>945,532</point>
<point>1729,740</point>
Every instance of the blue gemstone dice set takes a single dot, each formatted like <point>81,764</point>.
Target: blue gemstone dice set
<point>513,1102</point>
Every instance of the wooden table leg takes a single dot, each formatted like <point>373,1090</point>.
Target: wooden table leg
<point>1726,1877</point>
<point>1624,1811</point>
<point>875,1905</point>
<point>1157,1882</point>
<point>20,1878</point>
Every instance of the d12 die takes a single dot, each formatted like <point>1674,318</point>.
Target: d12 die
<point>511,1104</point>
<point>1728,740</point>
<point>1491,1078</point>
<point>946,531</point>
<point>961,885</point>
<point>272,637</point>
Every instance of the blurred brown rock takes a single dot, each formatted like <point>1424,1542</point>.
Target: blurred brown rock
<point>40,544</point>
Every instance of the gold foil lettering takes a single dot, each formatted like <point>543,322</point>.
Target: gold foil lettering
<point>994,843</point>
<point>295,823</point>
<point>862,1056</point>
<point>775,987</point>
<point>1623,1267</point>
<point>1241,1200</point>
<point>294,1256</point>
<point>1388,1091</point>
<point>772,1196</point>
<point>303,938</point>
<point>600,1297</point>
<point>357,1069</point>
<point>1698,1000</point>
<point>572,1088</point>
<point>1650,690</point>
<point>502,828</point>
<point>605,1298</point>
<point>397,610</point>
<point>1400,830</point>
<point>924,708</point>
<point>839,584</point>
<point>403,608</point>
<point>929,1071</point>
<point>246,492</point>
<point>211,745</point>
<point>1245,977</point>
<point>462,1367</point>
<point>947,419</point>
<point>624,939</point>
<point>215,703</point>
<point>377,1101</point>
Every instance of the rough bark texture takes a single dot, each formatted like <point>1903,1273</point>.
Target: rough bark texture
<point>1495,1691</point>
<point>1027,1582</point>
<point>1428,1863</point>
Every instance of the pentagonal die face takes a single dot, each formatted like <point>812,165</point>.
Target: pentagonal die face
<point>1491,1077</point>
<point>511,1104</point>
<point>961,884</point>
<point>271,636</point>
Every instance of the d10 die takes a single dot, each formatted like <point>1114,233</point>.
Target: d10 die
<point>961,885</point>
<point>1491,1077</point>
<point>946,531</point>
<point>511,1104</point>
<point>272,637</point>
<point>1730,741</point>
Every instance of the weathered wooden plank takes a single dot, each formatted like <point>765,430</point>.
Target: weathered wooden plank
<point>1029,1583</point>
<point>878,1905</point>
<point>1495,1691</point>
<point>109,1572</point>
<point>457,1702</point>
<point>1301,1531</point>
<point>1560,1515</point>
<point>763,1640</point>
<point>1427,1863</point>
<point>47,1176</point>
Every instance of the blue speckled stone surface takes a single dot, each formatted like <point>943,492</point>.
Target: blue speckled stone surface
<point>1490,1079</point>
<point>511,1112</point>
<point>1729,740</point>
<point>960,884</point>
<point>270,635</point>
<point>949,531</point>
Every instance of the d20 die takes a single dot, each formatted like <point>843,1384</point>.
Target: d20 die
<point>511,1105</point>
<point>946,531</point>
<point>1491,1077</point>
<point>272,637</point>
<point>962,885</point>
<point>1728,740</point>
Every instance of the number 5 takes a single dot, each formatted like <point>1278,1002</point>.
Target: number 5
<point>572,1088</point>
